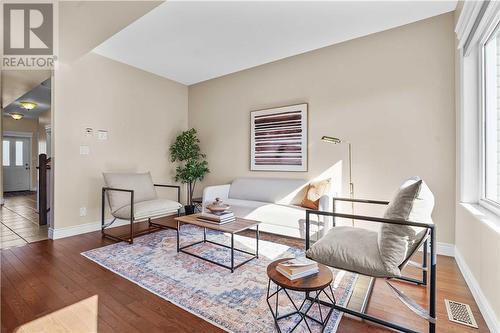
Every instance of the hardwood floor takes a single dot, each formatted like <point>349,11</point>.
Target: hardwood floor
<point>48,286</point>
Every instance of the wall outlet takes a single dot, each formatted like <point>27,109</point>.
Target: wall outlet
<point>83,211</point>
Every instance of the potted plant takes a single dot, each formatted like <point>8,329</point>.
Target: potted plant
<point>192,164</point>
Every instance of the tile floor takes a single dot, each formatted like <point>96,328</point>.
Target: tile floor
<point>19,221</point>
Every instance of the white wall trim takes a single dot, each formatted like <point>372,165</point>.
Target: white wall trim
<point>466,21</point>
<point>481,300</point>
<point>18,134</point>
<point>443,249</point>
<point>58,233</point>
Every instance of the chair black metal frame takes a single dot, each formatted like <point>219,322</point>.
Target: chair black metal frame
<point>430,237</point>
<point>151,225</point>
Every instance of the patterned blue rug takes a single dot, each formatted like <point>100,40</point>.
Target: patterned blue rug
<point>235,302</point>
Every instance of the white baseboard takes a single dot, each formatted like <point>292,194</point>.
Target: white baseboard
<point>481,300</point>
<point>81,229</point>
<point>444,249</point>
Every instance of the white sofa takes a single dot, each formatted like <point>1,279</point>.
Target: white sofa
<point>273,201</point>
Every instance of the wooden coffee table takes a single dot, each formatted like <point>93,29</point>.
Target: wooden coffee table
<point>315,284</point>
<point>231,228</point>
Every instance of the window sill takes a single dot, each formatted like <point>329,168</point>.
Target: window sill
<point>483,214</point>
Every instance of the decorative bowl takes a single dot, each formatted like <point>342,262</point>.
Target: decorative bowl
<point>217,206</point>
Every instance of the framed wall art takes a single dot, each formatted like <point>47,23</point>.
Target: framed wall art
<point>279,139</point>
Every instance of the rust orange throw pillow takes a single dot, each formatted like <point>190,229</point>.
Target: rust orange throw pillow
<point>314,191</point>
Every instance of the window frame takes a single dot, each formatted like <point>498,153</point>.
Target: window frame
<point>484,201</point>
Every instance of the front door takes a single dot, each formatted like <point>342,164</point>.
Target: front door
<point>16,164</point>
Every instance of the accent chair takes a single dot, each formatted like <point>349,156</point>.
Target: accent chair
<point>406,227</point>
<point>133,197</point>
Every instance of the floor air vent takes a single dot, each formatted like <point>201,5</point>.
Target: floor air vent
<point>460,313</point>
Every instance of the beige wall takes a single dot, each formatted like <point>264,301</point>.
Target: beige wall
<point>29,126</point>
<point>391,94</point>
<point>142,113</point>
<point>477,244</point>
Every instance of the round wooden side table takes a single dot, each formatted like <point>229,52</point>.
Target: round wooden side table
<point>315,284</point>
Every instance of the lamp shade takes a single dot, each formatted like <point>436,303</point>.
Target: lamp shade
<point>16,116</point>
<point>28,105</point>
<point>331,139</point>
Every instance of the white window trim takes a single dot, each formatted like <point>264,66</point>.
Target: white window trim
<point>489,29</point>
<point>474,27</point>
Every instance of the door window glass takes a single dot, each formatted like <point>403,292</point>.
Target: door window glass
<point>19,153</point>
<point>6,153</point>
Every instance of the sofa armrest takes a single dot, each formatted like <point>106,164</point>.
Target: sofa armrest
<point>217,191</point>
<point>325,206</point>
<point>324,203</point>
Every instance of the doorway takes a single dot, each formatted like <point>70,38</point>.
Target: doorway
<point>17,162</point>
<point>25,137</point>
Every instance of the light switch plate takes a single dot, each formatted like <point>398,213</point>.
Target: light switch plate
<point>84,150</point>
<point>102,135</point>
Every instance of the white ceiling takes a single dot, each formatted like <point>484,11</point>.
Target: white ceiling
<point>190,42</point>
<point>39,95</point>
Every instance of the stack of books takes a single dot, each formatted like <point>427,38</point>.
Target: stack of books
<point>297,268</point>
<point>219,218</point>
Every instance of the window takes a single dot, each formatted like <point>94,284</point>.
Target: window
<point>19,153</point>
<point>491,118</point>
<point>6,153</point>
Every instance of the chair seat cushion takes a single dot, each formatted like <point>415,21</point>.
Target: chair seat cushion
<point>351,249</point>
<point>148,209</point>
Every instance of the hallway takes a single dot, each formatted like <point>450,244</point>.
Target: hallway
<point>19,221</point>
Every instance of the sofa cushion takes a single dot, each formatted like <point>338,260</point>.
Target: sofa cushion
<point>148,209</point>
<point>141,183</point>
<point>351,249</point>
<point>272,190</point>
<point>413,202</point>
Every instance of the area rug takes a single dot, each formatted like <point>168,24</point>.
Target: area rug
<point>235,302</point>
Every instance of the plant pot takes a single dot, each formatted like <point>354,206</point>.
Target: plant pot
<point>189,209</point>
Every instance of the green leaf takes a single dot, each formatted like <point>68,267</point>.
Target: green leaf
<point>192,166</point>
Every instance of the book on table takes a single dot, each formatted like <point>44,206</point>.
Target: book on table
<point>221,218</point>
<point>297,268</point>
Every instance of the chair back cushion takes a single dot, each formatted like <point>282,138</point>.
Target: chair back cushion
<point>141,183</point>
<point>413,202</point>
